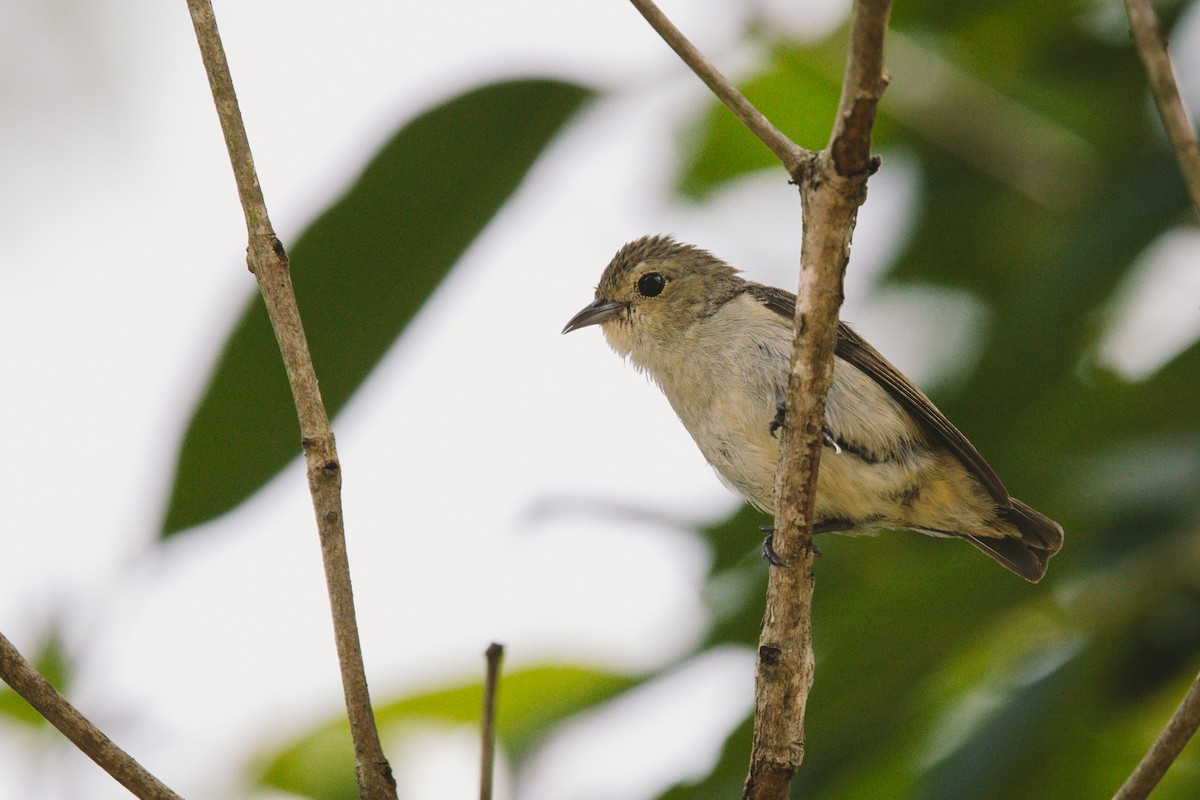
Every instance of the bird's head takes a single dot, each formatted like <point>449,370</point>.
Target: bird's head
<point>652,293</point>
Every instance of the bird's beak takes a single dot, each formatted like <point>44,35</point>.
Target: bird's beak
<point>593,314</point>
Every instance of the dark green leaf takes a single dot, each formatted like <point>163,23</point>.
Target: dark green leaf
<point>361,271</point>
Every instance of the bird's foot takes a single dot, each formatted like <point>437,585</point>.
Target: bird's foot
<point>777,423</point>
<point>769,555</point>
<point>768,546</point>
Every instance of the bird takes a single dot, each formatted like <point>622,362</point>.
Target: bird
<point>719,347</point>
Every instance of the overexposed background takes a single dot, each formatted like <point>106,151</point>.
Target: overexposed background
<point>122,267</point>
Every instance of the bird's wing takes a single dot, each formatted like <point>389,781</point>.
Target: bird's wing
<point>781,302</point>
<point>855,350</point>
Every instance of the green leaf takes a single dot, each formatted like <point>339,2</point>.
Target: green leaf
<point>321,764</point>
<point>724,149</point>
<point>361,271</point>
<point>1046,318</point>
<point>1127,648</point>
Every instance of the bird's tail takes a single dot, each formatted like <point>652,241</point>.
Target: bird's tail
<point>1027,555</point>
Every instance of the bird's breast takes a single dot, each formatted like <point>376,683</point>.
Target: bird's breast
<point>724,379</point>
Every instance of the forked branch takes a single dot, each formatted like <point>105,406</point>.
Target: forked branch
<point>830,194</point>
<point>832,187</point>
<point>788,152</point>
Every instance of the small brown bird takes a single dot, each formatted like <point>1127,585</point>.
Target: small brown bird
<point>720,346</point>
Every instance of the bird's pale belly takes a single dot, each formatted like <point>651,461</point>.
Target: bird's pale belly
<point>925,491</point>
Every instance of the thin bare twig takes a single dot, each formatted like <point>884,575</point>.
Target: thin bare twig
<point>1152,47</point>
<point>1162,754</point>
<point>793,156</point>
<point>487,767</point>
<point>268,261</point>
<point>27,682</point>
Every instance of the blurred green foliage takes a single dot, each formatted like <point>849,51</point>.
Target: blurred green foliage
<point>361,271</point>
<point>1006,691</point>
<point>1044,177</point>
<point>529,704</point>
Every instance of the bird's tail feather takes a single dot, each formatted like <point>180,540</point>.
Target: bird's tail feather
<point>1027,556</point>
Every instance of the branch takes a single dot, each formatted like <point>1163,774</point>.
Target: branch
<point>268,261</point>
<point>1166,748</point>
<point>832,189</point>
<point>1152,47</point>
<point>793,156</point>
<point>862,87</point>
<point>27,682</point>
<point>487,768</point>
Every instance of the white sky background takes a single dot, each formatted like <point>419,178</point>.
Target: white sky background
<point>122,268</point>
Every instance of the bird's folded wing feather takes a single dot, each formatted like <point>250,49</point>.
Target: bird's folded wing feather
<point>855,350</point>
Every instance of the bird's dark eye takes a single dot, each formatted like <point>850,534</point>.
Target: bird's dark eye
<point>651,284</point>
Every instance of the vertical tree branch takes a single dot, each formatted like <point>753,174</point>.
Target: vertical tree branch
<point>487,761</point>
<point>831,190</point>
<point>27,682</point>
<point>267,259</point>
<point>1152,47</point>
<point>832,187</point>
<point>1166,748</point>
